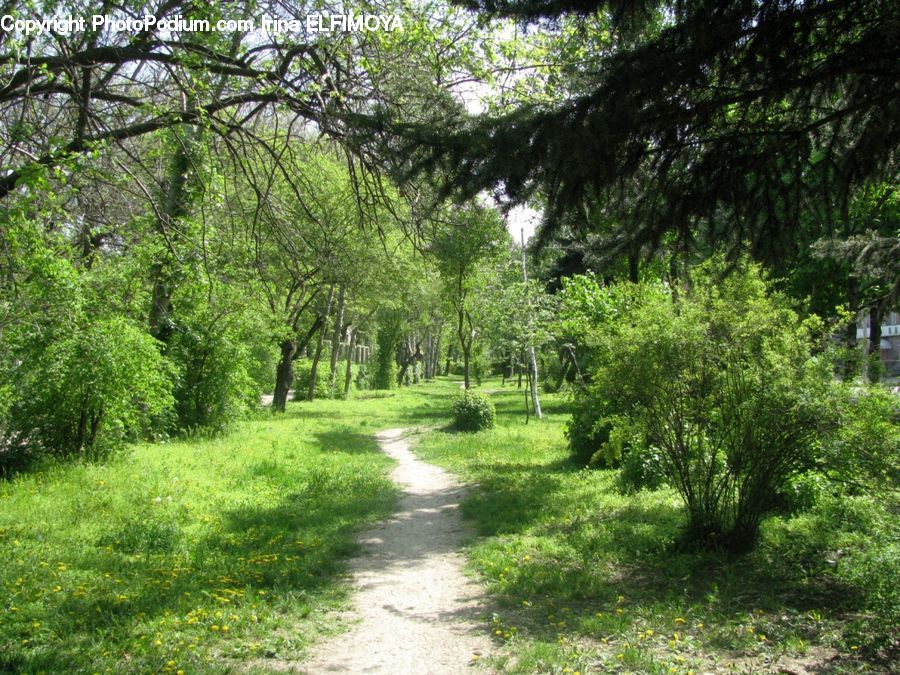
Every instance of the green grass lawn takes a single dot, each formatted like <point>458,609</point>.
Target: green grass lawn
<point>224,554</point>
<point>588,578</point>
<point>198,554</point>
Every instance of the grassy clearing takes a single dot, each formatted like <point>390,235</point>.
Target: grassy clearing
<point>217,555</point>
<point>592,580</point>
<point>197,555</point>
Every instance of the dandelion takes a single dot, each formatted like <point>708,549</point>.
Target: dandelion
<point>680,620</point>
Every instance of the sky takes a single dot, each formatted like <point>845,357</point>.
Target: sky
<point>522,217</point>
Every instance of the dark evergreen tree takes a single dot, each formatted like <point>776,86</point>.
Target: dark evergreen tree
<point>716,119</point>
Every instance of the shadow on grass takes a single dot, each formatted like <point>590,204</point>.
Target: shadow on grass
<point>345,439</point>
<point>586,550</point>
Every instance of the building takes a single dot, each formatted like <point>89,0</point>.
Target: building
<point>890,340</point>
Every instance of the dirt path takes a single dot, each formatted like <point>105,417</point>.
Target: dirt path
<point>418,612</point>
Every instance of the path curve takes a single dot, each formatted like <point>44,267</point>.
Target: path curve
<point>418,612</point>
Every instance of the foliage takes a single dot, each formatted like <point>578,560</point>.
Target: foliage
<point>588,313</point>
<point>865,451</point>
<point>722,383</point>
<point>213,387</point>
<point>589,577</point>
<point>716,165</point>
<point>387,339</point>
<point>473,412</point>
<point>88,392</point>
<point>303,373</point>
<point>585,431</point>
<point>465,247</point>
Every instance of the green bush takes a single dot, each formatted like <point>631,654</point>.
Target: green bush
<point>363,378</point>
<point>585,430</point>
<point>303,374</point>
<point>473,412</point>
<point>722,383</point>
<point>642,470</point>
<point>87,393</point>
<point>214,387</point>
<point>387,339</point>
<point>865,452</point>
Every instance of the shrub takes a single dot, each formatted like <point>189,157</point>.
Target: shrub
<point>473,412</point>
<point>387,338</point>
<point>865,452</point>
<point>585,429</point>
<point>214,387</point>
<point>87,393</point>
<point>642,470</point>
<point>303,374</point>
<point>363,378</point>
<point>721,382</point>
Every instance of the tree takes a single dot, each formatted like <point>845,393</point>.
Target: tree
<point>703,118</point>
<point>462,241</point>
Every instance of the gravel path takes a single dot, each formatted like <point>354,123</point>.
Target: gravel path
<point>418,612</point>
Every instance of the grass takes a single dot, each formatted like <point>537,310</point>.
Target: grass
<point>224,554</point>
<point>589,579</point>
<point>201,554</point>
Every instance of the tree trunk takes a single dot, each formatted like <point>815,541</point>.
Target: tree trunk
<point>466,364</point>
<point>633,277</point>
<point>426,359</point>
<point>465,343</point>
<point>173,208</point>
<point>436,356</point>
<point>535,399</point>
<point>313,371</point>
<point>416,357</point>
<point>533,378</point>
<point>284,375</point>
<point>403,361</point>
<point>874,365</point>
<point>850,367</point>
<point>348,373</point>
<point>336,340</point>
